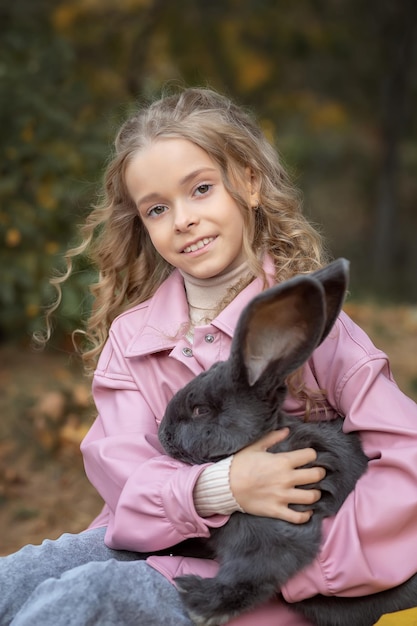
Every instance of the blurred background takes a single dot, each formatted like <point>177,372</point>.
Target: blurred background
<point>334,85</point>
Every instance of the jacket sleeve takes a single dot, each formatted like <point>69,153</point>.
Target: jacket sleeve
<point>148,496</point>
<point>371,544</point>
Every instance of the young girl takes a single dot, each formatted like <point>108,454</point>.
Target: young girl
<point>199,216</point>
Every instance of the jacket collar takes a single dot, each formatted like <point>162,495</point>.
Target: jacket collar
<point>167,314</point>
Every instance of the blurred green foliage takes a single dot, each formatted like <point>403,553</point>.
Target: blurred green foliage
<point>333,82</point>
<point>51,154</point>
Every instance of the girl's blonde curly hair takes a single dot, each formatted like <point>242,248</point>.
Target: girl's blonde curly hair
<point>114,237</point>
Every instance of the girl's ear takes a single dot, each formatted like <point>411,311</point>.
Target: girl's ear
<point>252,185</point>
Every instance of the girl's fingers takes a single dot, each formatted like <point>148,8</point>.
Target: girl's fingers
<point>298,458</point>
<point>295,517</point>
<point>309,475</point>
<point>300,497</point>
<point>304,496</point>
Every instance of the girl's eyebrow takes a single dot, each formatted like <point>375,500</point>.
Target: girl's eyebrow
<point>152,197</point>
<point>195,173</point>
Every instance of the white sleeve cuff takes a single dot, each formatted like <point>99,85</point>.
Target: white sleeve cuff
<point>212,493</point>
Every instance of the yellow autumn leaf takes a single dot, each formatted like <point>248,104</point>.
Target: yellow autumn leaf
<point>27,133</point>
<point>82,395</point>
<point>73,432</point>
<point>328,115</point>
<point>45,196</point>
<point>254,71</point>
<point>401,618</point>
<point>32,310</point>
<point>64,16</point>
<point>13,237</point>
<point>51,247</point>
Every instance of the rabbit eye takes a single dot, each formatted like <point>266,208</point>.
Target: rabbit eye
<point>200,411</point>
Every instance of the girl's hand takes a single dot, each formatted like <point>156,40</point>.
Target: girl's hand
<point>265,484</point>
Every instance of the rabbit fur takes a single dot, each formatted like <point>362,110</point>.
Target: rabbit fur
<point>235,403</point>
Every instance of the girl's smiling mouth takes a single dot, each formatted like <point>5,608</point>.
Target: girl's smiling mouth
<point>198,244</point>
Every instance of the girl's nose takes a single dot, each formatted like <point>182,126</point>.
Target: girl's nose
<point>185,218</point>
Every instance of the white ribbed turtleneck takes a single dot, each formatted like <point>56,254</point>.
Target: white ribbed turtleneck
<point>204,295</point>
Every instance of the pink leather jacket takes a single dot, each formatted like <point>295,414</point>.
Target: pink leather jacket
<point>372,542</point>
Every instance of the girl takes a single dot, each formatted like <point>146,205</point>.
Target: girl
<point>198,216</point>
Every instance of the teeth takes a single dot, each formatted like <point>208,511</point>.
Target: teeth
<point>200,244</point>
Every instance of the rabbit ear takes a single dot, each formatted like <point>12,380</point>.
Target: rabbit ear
<point>334,278</point>
<point>281,326</point>
<point>284,324</point>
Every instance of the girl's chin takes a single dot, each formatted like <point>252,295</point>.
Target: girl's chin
<point>207,272</point>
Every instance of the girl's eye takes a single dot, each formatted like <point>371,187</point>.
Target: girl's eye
<point>201,190</point>
<point>157,210</point>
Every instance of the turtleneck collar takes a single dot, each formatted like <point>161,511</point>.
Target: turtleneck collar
<point>205,295</point>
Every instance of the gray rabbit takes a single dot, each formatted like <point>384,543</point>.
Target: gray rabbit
<point>234,404</point>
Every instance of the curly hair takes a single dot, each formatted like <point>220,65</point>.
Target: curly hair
<point>115,239</point>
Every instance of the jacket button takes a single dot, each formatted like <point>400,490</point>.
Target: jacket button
<point>187,352</point>
<point>209,338</point>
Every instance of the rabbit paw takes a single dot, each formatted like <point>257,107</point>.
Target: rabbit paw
<point>208,602</point>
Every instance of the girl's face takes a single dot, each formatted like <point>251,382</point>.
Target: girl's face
<point>192,220</point>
